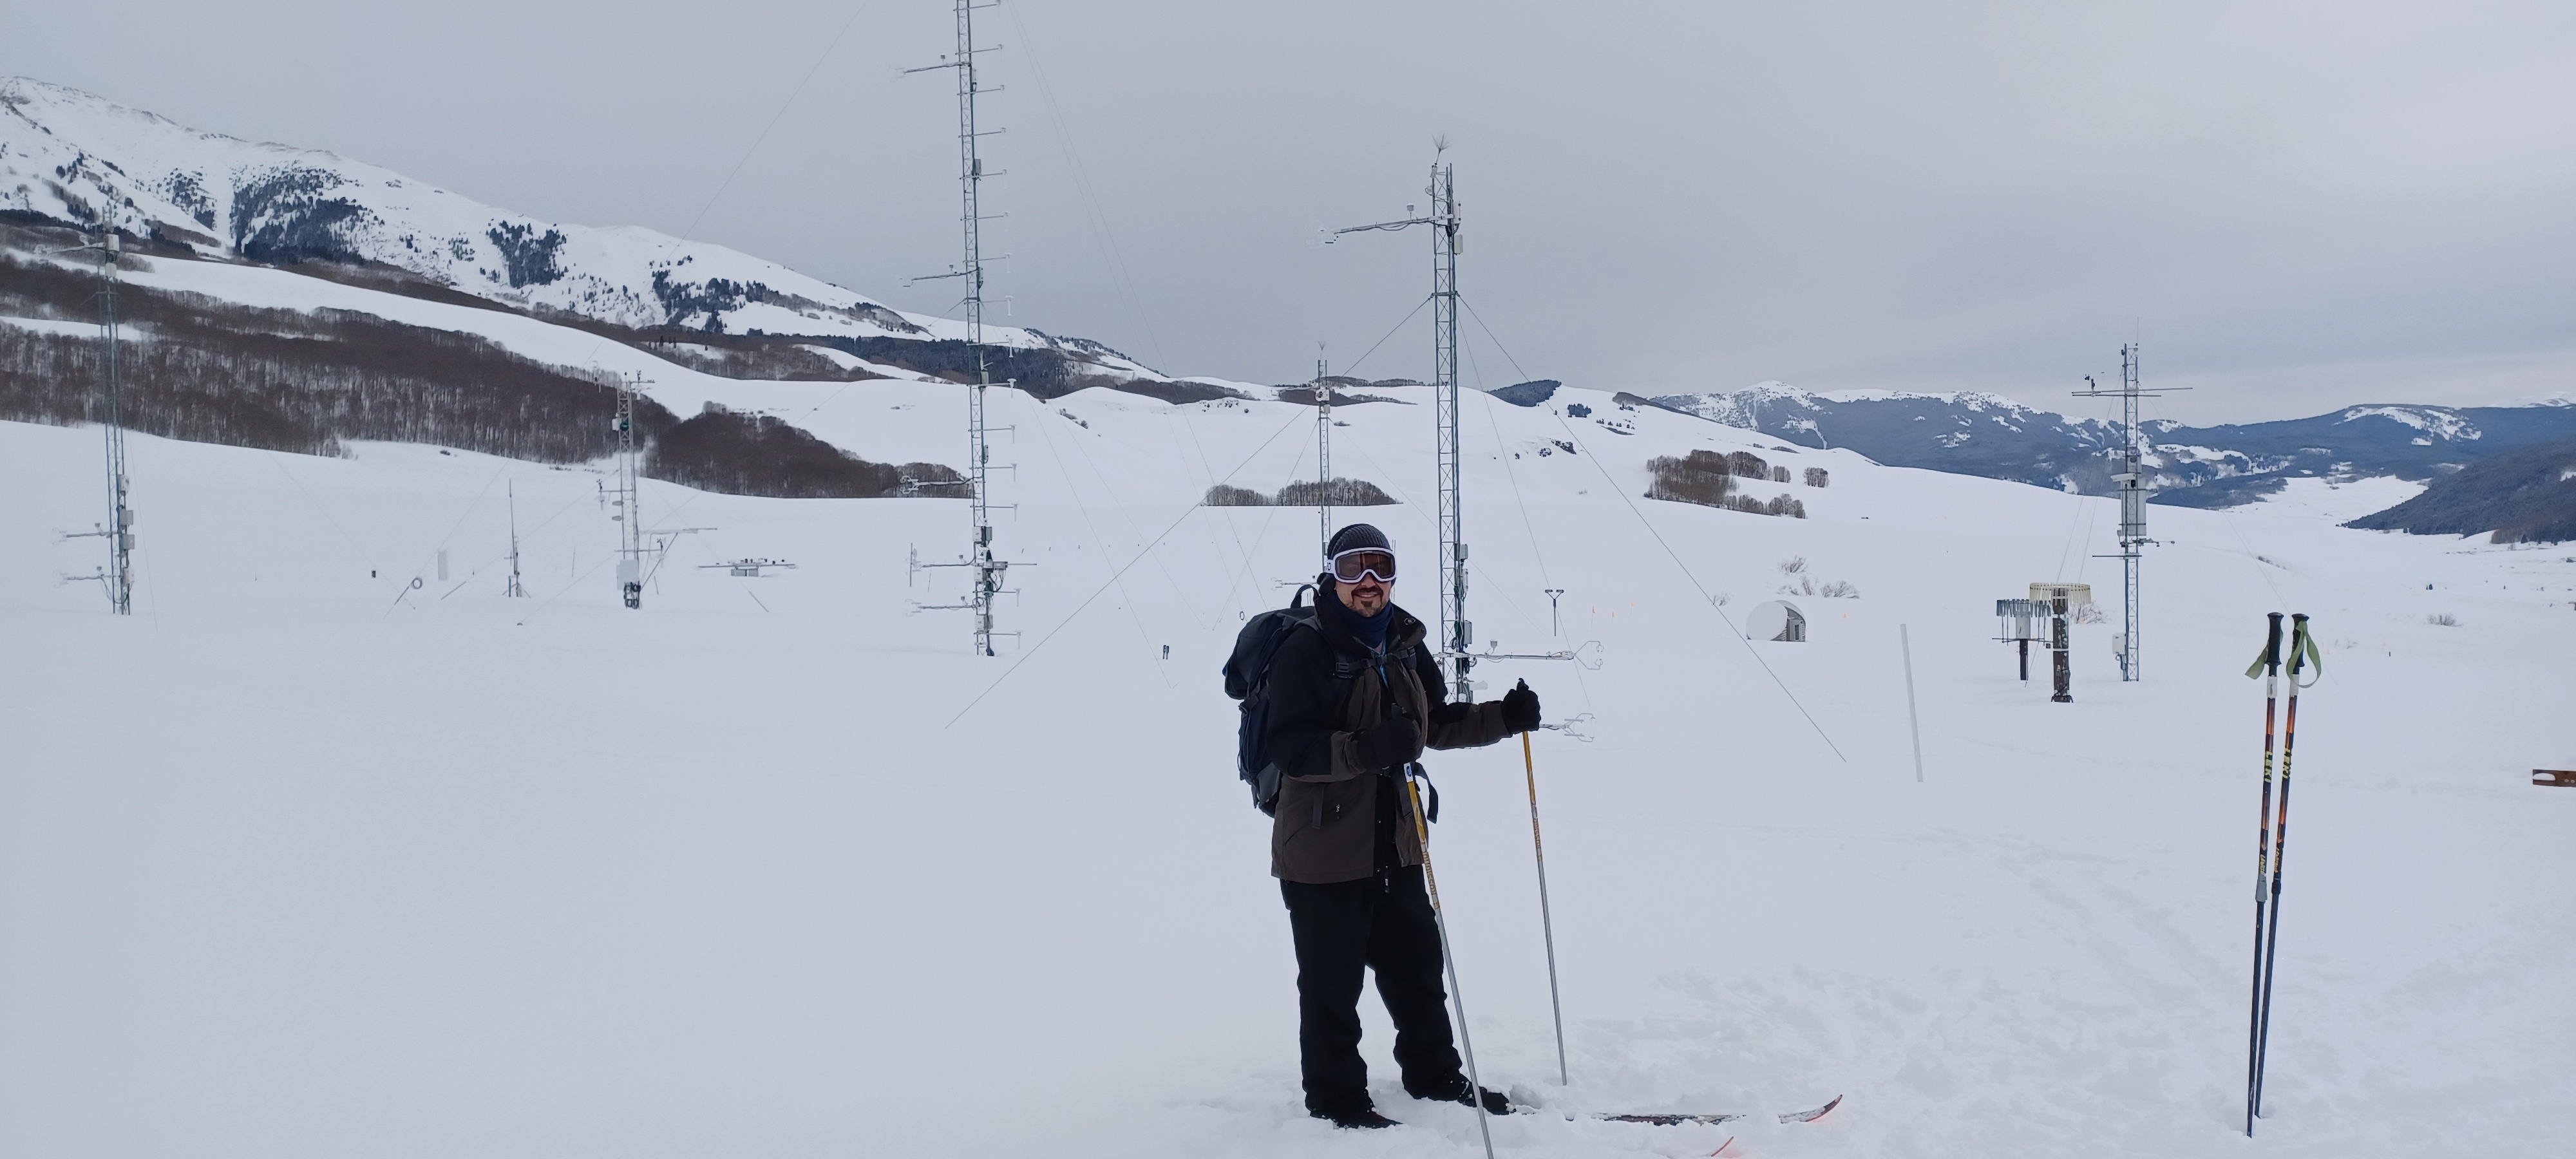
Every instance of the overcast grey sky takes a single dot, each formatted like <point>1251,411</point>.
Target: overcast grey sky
<point>2295,206</point>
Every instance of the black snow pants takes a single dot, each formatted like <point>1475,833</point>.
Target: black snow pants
<point>1383,923</point>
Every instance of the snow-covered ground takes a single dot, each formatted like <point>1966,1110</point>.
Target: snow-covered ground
<point>2338,500</point>
<point>301,860</point>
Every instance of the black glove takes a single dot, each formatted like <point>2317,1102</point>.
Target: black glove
<point>1387,746</point>
<point>1520,709</point>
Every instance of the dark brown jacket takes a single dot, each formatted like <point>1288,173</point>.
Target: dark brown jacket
<point>1328,804</point>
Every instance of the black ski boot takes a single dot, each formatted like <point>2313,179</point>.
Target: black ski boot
<point>1355,1113</point>
<point>1454,1090</point>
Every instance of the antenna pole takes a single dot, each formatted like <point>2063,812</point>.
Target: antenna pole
<point>2131,478</point>
<point>629,517</point>
<point>1444,393</point>
<point>1456,632</point>
<point>119,572</point>
<point>970,172</point>
<point>989,571</point>
<point>517,589</point>
<point>2133,512</point>
<point>1323,456</point>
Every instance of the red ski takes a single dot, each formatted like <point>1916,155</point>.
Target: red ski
<point>1713,1120</point>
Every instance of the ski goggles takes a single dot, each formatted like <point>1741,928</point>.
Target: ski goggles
<point>1352,566</point>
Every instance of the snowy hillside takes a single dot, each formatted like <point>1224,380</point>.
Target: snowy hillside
<point>2221,466</point>
<point>2528,495</point>
<point>70,158</point>
<point>334,849</point>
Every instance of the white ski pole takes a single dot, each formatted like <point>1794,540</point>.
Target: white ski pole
<point>1440,919</point>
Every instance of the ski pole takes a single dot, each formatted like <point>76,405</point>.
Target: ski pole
<point>1440,919</point>
<point>2303,653</point>
<point>1546,924</point>
<point>2269,662</point>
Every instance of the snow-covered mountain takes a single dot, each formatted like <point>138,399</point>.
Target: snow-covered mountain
<point>1986,434</point>
<point>70,158</point>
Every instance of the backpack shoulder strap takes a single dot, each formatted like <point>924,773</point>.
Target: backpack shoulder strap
<point>1296,618</point>
<point>1346,669</point>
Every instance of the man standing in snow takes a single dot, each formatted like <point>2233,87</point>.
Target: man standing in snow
<point>1344,845</point>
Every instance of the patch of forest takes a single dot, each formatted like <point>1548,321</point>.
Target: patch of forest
<point>1708,478</point>
<point>2526,495</point>
<point>1341,492</point>
<point>205,370</point>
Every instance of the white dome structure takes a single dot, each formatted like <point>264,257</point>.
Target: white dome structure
<point>1777,620</point>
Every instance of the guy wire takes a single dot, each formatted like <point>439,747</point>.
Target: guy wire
<point>856,11</point>
<point>1133,614</point>
<point>1390,333</point>
<point>405,593</point>
<point>1114,259</point>
<point>1293,420</point>
<point>1505,453</point>
<point>1675,556</point>
<point>324,512</point>
<point>1468,349</point>
<point>1120,506</point>
<point>1235,579</point>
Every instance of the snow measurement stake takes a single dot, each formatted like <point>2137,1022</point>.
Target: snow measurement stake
<point>2268,663</point>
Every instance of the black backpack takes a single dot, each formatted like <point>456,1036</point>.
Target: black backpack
<point>1247,679</point>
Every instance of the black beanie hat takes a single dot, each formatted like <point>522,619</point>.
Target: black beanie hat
<point>1358,537</point>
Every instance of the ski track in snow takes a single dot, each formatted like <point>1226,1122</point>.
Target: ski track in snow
<point>312,863</point>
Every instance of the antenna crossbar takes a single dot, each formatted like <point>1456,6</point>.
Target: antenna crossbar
<point>1388,226</point>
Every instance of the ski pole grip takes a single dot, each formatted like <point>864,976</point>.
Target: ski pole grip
<point>2269,660</point>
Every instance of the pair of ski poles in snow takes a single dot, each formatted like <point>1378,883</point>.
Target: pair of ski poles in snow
<point>1440,918</point>
<point>2273,842</point>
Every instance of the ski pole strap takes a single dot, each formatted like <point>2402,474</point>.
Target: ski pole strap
<point>1431,793</point>
<point>2303,652</point>
<point>2269,657</point>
